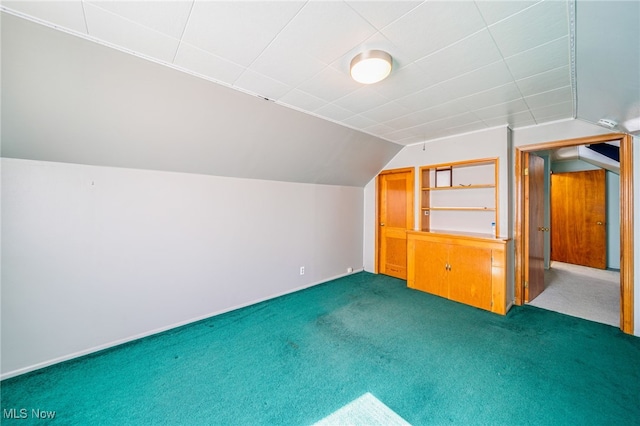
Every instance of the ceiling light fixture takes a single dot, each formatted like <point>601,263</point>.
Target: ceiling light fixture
<point>371,66</point>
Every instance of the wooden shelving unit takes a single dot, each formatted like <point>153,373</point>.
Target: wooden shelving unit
<point>468,192</point>
<point>457,254</point>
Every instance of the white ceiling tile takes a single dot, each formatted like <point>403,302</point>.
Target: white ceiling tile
<point>553,112</point>
<point>359,122</point>
<point>426,98</point>
<point>304,101</point>
<point>167,17</point>
<point>473,52</point>
<point>518,119</point>
<point>362,99</point>
<point>330,85</point>
<point>402,82</point>
<point>494,11</point>
<point>421,31</point>
<point>540,59</point>
<point>498,95</point>
<point>261,85</point>
<point>519,32</point>
<point>68,14</point>
<point>382,13</point>
<point>334,112</point>
<point>409,120</point>
<point>478,80</point>
<point>122,32</point>
<point>502,110</point>
<point>386,112</point>
<point>552,97</point>
<point>379,129</point>
<point>411,140</point>
<point>399,135</point>
<point>545,81</point>
<point>287,61</point>
<point>237,31</point>
<point>328,30</point>
<point>438,112</point>
<point>456,121</point>
<point>466,128</point>
<point>206,64</point>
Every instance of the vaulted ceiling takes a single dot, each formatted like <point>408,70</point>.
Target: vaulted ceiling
<point>458,66</point>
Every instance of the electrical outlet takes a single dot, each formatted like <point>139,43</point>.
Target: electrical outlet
<point>349,270</point>
<point>302,270</point>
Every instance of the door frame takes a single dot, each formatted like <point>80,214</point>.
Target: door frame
<point>411,171</point>
<point>626,217</point>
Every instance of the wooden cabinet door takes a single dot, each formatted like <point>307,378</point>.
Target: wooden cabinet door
<point>431,274</point>
<point>470,275</point>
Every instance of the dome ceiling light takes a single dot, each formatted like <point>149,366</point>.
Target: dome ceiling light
<point>370,66</point>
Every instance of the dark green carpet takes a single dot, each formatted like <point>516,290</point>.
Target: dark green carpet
<point>298,358</point>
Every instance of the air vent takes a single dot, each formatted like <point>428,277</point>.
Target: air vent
<point>605,122</point>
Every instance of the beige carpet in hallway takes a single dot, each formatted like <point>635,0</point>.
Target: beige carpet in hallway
<point>588,293</point>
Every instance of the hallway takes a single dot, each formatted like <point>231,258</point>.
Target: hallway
<point>583,292</point>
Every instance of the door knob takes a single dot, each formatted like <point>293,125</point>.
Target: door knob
<point>599,223</point>
<point>382,224</point>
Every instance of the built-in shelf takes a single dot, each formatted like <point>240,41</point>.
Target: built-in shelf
<point>458,187</point>
<point>461,208</point>
<point>462,197</point>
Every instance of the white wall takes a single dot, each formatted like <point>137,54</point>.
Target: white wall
<point>484,144</point>
<point>93,256</point>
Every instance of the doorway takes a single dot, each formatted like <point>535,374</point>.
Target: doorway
<point>394,216</point>
<point>522,267</point>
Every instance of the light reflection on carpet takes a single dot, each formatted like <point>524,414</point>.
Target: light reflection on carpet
<point>366,410</point>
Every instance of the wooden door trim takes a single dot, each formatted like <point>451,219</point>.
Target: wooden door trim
<point>411,171</point>
<point>626,218</point>
<point>626,234</point>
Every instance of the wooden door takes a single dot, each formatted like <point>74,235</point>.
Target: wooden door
<point>394,219</point>
<point>534,226</point>
<point>431,273</point>
<point>470,275</point>
<point>578,218</point>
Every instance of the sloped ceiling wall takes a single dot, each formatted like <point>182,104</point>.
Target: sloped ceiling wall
<point>608,63</point>
<point>66,99</point>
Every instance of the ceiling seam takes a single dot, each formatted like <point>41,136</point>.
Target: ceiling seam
<point>264,50</point>
<point>84,17</point>
<point>513,79</point>
<point>184,30</point>
<point>572,55</point>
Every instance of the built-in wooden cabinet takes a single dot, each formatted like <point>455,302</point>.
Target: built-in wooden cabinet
<point>460,197</point>
<point>458,253</point>
<point>466,268</point>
